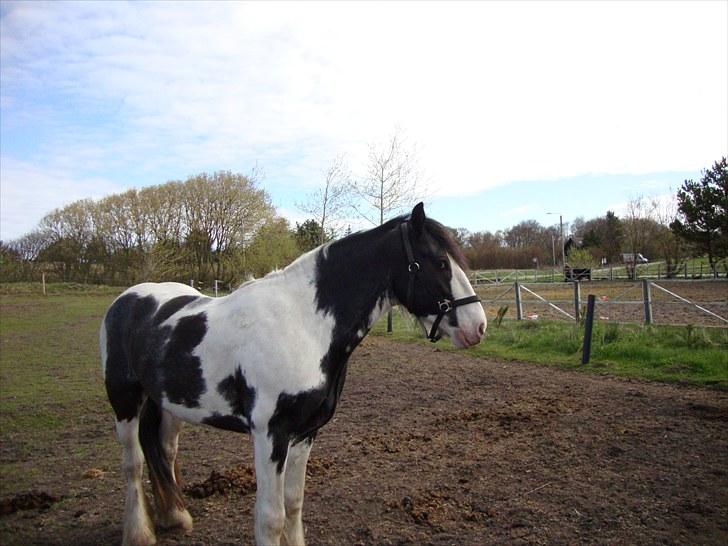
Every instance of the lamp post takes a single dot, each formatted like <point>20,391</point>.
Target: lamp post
<point>561,239</point>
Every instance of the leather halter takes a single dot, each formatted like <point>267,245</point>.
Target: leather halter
<point>441,307</point>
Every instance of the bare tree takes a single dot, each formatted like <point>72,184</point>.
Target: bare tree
<point>392,181</point>
<point>670,246</point>
<point>327,203</point>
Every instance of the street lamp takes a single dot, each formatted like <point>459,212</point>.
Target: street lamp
<point>561,238</point>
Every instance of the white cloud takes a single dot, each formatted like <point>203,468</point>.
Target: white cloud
<point>491,92</point>
<point>28,192</point>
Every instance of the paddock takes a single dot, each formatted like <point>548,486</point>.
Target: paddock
<point>472,452</point>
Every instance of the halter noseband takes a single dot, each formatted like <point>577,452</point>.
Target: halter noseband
<point>442,307</point>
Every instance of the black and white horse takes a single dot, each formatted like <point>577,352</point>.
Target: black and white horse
<point>269,359</point>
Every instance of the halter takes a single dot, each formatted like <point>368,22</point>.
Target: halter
<point>442,307</point>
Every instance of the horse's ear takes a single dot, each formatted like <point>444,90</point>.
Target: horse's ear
<point>418,219</point>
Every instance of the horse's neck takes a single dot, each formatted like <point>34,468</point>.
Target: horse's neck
<point>353,282</point>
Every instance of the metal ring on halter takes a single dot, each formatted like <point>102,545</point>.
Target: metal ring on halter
<point>445,306</point>
<point>414,266</point>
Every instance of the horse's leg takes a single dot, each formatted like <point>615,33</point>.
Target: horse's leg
<point>295,481</point>
<point>154,429</point>
<point>138,527</point>
<point>170,515</point>
<point>270,511</point>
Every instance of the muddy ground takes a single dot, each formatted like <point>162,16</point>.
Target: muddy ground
<point>428,447</point>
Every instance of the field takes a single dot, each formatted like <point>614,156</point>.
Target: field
<point>428,447</point>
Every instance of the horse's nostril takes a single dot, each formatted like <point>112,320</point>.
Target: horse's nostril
<point>481,328</point>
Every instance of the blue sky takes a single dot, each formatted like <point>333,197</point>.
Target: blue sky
<point>516,109</point>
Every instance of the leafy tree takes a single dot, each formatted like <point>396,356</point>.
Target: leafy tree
<point>273,247</point>
<point>308,235</point>
<point>703,212</point>
<point>612,238</point>
<point>581,257</point>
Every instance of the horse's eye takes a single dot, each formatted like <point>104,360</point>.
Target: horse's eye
<point>443,265</point>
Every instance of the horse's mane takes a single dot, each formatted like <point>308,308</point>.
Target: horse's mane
<point>442,235</point>
<point>445,238</point>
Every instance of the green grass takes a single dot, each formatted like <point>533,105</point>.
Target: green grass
<point>49,359</point>
<point>664,353</point>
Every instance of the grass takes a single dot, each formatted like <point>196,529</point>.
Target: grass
<point>49,361</point>
<point>686,354</point>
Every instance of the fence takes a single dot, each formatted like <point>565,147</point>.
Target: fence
<point>660,302</point>
<point>657,270</point>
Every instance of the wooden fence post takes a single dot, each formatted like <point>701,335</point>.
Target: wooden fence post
<point>577,299</point>
<point>647,297</point>
<point>589,321</point>
<point>43,279</point>
<point>519,304</point>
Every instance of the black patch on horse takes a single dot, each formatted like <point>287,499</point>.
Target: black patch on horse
<point>144,356</point>
<point>227,422</point>
<point>183,381</point>
<point>241,397</point>
<point>170,307</point>
<point>122,384</point>
<point>352,276</point>
<point>299,416</point>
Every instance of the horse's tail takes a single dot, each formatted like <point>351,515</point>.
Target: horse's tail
<point>164,478</point>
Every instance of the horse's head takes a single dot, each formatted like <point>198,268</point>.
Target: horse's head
<point>432,285</point>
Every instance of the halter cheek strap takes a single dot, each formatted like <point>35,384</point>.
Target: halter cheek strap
<point>442,307</point>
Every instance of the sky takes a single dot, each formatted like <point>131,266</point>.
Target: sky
<point>516,109</point>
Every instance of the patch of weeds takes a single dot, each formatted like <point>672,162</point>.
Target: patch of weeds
<point>611,333</point>
<point>696,337</point>
<point>499,316</point>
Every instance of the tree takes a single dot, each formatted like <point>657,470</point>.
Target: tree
<point>636,229</point>
<point>668,245</point>
<point>273,247</point>
<point>308,235</point>
<point>612,239</point>
<point>703,212</point>
<point>327,203</point>
<point>391,183</point>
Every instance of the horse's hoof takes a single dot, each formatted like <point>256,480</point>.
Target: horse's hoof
<point>140,536</point>
<point>176,519</point>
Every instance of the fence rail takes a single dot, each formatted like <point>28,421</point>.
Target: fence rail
<point>655,271</point>
<point>652,302</point>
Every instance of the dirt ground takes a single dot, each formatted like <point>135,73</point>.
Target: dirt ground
<point>428,448</point>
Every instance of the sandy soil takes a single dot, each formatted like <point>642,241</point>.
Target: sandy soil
<point>427,447</point>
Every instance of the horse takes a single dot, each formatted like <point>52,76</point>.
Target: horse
<point>269,359</point>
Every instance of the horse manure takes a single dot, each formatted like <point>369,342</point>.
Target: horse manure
<point>27,501</point>
<point>240,480</point>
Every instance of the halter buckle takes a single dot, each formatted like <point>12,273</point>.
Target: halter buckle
<point>445,306</point>
<point>413,267</point>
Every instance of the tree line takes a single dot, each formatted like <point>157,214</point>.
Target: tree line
<point>210,226</point>
<point>223,226</point>
<point>693,223</point>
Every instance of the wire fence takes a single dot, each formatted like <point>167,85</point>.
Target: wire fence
<point>654,271</point>
<point>672,301</point>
